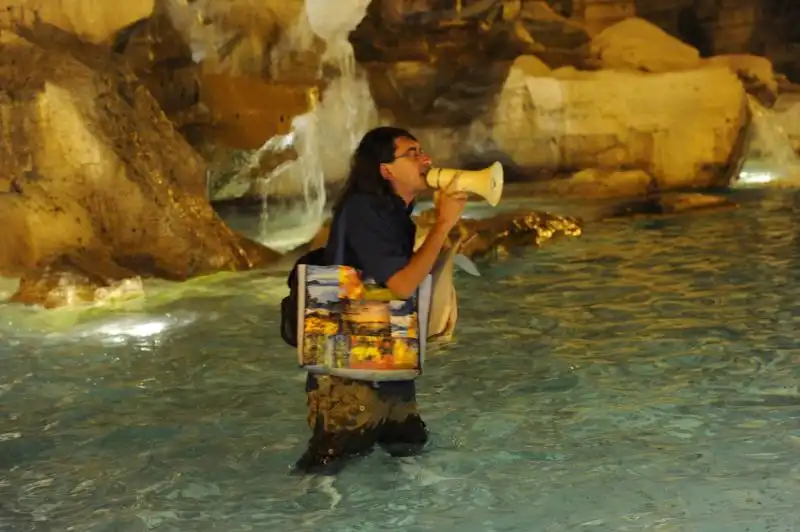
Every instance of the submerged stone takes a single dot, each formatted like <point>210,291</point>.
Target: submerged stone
<point>504,231</point>
<point>671,203</point>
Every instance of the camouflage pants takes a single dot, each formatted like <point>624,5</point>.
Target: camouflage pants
<point>347,418</point>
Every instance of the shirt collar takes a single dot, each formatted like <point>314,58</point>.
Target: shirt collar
<point>398,202</point>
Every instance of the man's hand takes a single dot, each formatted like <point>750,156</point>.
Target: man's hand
<point>449,204</point>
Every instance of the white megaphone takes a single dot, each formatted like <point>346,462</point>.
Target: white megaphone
<point>487,183</point>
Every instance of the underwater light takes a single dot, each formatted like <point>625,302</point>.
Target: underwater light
<point>746,177</point>
<point>144,329</point>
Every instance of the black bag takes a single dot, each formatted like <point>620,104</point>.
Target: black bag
<point>289,304</point>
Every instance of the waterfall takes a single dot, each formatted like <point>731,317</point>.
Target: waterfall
<point>771,159</point>
<point>325,137</point>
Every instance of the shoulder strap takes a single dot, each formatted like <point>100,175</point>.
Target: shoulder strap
<point>340,241</point>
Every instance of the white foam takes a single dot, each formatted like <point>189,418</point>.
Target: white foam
<point>770,160</point>
<point>325,137</point>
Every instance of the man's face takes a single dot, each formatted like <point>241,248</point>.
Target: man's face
<point>407,171</point>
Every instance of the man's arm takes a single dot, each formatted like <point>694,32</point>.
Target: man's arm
<point>379,247</point>
<point>378,244</point>
<point>405,281</point>
<point>449,207</point>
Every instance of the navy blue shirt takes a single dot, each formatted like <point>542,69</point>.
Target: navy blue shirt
<point>378,235</point>
<point>378,240</point>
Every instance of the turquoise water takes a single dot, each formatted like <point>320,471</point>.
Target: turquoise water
<point>643,376</point>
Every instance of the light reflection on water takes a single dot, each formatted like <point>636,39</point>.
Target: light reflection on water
<point>642,376</point>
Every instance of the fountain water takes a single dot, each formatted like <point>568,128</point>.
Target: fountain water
<point>644,377</point>
<point>346,108</point>
<point>771,158</point>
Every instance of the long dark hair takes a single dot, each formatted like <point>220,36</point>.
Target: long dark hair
<point>376,148</point>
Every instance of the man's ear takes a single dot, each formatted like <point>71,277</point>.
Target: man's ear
<point>385,172</point>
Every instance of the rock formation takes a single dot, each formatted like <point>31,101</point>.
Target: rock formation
<point>501,234</point>
<point>756,73</point>
<point>635,44</point>
<point>682,129</point>
<point>94,22</point>
<point>113,114</point>
<point>551,95</point>
<point>443,66</point>
<point>97,184</point>
<point>267,73</point>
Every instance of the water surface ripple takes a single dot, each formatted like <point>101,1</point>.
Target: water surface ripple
<point>644,376</point>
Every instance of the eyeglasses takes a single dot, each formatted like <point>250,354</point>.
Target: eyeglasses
<point>415,154</point>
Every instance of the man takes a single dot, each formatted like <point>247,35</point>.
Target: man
<point>347,417</point>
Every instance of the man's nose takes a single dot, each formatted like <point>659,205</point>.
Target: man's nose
<point>425,159</point>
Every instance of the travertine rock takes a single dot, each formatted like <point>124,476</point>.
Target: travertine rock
<point>756,74</point>
<point>600,14</point>
<point>667,204</point>
<point>344,109</point>
<point>635,44</point>
<point>554,31</point>
<point>160,56</point>
<point>529,65</point>
<point>685,129</point>
<point>269,39</point>
<point>95,22</point>
<point>431,64</point>
<point>91,167</point>
<point>594,183</point>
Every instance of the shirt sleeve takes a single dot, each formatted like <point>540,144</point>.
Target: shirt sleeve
<point>375,240</point>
